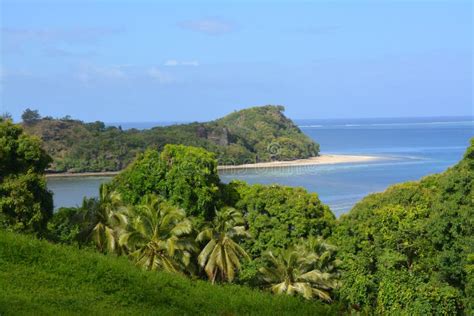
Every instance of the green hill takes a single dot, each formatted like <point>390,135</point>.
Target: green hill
<point>251,135</point>
<point>40,278</point>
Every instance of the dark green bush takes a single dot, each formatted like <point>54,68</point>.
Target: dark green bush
<point>25,202</point>
<point>407,250</point>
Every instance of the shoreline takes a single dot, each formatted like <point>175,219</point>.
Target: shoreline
<point>82,174</point>
<point>326,159</point>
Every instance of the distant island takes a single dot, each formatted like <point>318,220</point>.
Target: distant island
<point>253,135</point>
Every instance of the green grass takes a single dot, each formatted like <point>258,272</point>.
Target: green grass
<point>40,278</point>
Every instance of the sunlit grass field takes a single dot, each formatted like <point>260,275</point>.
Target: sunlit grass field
<point>40,278</point>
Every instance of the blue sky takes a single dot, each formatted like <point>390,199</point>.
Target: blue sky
<point>183,61</point>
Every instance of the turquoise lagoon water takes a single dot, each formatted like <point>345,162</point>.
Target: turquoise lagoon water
<point>409,149</point>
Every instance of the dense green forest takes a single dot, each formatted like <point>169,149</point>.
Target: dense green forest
<point>411,248</point>
<point>406,251</point>
<point>252,135</point>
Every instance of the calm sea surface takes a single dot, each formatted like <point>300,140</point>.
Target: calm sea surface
<point>410,148</point>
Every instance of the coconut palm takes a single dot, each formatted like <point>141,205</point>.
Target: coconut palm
<point>157,236</point>
<point>221,256</point>
<point>107,217</point>
<point>292,271</point>
<point>324,254</point>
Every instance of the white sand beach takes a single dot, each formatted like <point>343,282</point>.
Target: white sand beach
<point>320,160</point>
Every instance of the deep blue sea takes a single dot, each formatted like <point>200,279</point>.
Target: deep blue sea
<point>410,147</point>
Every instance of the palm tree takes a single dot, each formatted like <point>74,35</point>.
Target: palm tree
<point>292,271</point>
<point>221,256</point>
<point>323,253</point>
<point>108,218</point>
<point>157,236</point>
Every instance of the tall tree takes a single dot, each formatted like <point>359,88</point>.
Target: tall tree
<point>185,176</point>
<point>108,218</point>
<point>325,254</point>
<point>222,255</point>
<point>30,116</point>
<point>157,236</point>
<point>278,216</point>
<point>25,202</point>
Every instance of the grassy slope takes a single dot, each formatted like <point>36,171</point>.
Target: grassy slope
<point>37,277</point>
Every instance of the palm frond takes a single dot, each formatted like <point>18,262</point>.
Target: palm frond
<point>292,271</point>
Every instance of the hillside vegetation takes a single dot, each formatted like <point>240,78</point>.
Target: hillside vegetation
<point>66,280</point>
<point>167,212</point>
<point>406,251</point>
<point>411,248</point>
<point>26,205</point>
<point>252,135</point>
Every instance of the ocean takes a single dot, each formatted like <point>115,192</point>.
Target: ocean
<point>410,148</point>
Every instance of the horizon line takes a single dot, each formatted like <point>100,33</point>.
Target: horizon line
<point>302,119</point>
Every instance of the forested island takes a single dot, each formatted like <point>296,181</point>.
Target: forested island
<point>167,236</point>
<point>258,134</point>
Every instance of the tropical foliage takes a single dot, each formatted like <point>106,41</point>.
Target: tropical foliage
<point>221,256</point>
<point>186,176</point>
<point>157,236</point>
<point>408,249</point>
<point>254,134</point>
<point>98,222</point>
<point>325,255</point>
<point>151,213</point>
<point>107,220</point>
<point>278,216</point>
<point>69,225</point>
<point>26,205</point>
<point>296,271</point>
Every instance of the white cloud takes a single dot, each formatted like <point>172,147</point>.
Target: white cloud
<point>111,72</point>
<point>159,75</point>
<point>171,62</point>
<point>174,62</point>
